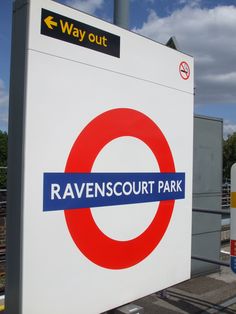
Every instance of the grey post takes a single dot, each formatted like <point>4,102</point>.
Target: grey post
<point>121,13</point>
<point>15,157</point>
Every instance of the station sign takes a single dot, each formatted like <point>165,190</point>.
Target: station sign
<point>72,31</point>
<point>107,139</point>
<point>233,220</point>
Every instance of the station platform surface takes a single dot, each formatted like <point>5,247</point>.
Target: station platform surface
<point>214,293</point>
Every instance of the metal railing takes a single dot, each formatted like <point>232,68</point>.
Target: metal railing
<point>226,187</point>
<point>203,258</point>
<point>3,204</point>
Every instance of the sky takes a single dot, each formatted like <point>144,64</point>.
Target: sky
<point>205,29</point>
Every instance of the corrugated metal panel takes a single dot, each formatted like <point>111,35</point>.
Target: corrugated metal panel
<point>207,183</point>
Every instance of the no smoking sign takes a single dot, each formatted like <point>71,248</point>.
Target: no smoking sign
<point>184,70</point>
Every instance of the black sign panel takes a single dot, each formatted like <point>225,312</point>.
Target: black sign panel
<point>63,28</point>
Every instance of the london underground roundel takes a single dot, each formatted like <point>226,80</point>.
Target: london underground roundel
<point>90,240</point>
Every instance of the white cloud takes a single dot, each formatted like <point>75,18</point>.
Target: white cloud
<point>209,36</point>
<point>89,6</point>
<point>191,3</point>
<point>3,94</point>
<point>229,128</point>
<point>228,78</point>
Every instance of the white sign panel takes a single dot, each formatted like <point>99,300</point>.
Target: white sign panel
<point>108,130</point>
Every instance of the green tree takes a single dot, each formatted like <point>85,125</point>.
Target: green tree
<point>229,154</point>
<point>3,158</point>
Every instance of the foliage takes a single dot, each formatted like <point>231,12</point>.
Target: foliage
<point>3,158</point>
<point>229,154</point>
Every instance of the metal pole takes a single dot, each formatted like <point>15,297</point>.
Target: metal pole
<point>121,13</point>
<point>210,260</point>
<point>212,211</point>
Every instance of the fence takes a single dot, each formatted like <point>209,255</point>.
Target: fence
<point>226,194</point>
<point>3,204</point>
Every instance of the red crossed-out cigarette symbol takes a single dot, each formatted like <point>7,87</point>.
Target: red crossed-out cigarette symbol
<point>184,70</point>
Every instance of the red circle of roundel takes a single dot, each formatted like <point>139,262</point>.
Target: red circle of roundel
<point>91,241</point>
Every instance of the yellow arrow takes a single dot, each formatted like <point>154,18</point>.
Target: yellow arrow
<point>49,22</point>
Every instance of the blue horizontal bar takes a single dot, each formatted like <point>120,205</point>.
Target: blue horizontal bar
<point>64,191</point>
